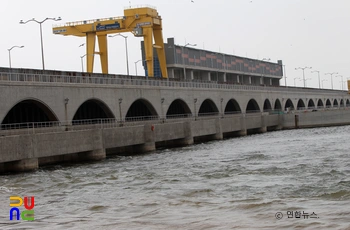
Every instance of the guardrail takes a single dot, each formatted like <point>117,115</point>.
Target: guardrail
<point>130,81</point>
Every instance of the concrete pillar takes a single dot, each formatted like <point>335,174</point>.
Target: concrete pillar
<point>238,81</point>
<point>171,73</point>
<point>188,139</point>
<point>219,135</point>
<point>263,128</point>
<point>94,155</point>
<point>149,144</point>
<point>192,75</point>
<point>243,131</point>
<point>21,165</point>
<point>209,76</point>
<point>224,77</point>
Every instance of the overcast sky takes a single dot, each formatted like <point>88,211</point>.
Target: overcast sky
<point>300,32</point>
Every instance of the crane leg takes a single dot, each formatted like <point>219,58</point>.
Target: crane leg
<point>158,39</point>
<point>102,42</point>
<point>148,39</point>
<point>90,51</point>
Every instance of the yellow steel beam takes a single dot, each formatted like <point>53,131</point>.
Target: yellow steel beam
<point>142,22</point>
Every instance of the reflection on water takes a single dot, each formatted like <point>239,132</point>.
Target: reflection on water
<point>236,183</point>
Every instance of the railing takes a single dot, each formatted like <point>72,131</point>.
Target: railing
<point>45,78</point>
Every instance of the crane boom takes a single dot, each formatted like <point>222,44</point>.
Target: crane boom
<point>142,22</point>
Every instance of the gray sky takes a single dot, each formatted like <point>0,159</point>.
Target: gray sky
<point>300,32</point>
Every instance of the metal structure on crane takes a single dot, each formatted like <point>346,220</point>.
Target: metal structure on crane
<point>142,22</point>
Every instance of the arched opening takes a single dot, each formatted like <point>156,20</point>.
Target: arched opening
<point>311,104</point>
<point>301,105</point>
<point>289,105</point>
<point>178,108</point>
<point>208,107</point>
<point>335,103</point>
<point>28,111</point>
<point>92,110</point>
<point>278,105</point>
<point>341,103</point>
<point>141,110</point>
<point>232,107</point>
<point>347,103</point>
<point>328,103</point>
<point>320,103</point>
<point>252,107</point>
<point>267,106</point>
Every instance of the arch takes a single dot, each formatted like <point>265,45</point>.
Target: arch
<point>347,103</point>
<point>311,104</point>
<point>92,109</point>
<point>252,107</point>
<point>178,108</point>
<point>232,106</point>
<point>328,103</point>
<point>28,111</point>
<point>141,108</point>
<point>289,104</point>
<point>300,105</point>
<point>278,105</point>
<point>320,103</point>
<point>267,106</point>
<point>335,103</point>
<point>208,107</point>
<point>341,103</point>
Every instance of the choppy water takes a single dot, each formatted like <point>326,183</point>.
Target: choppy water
<point>237,183</point>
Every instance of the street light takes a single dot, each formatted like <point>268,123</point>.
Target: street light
<point>295,79</point>
<point>126,50</point>
<point>319,80</point>
<point>323,81</point>
<point>136,65</point>
<point>41,33</point>
<point>183,60</point>
<point>10,53</point>
<point>331,77</point>
<point>303,69</point>
<point>307,80</point>
<point>81,57</point>
<point>341,81</point>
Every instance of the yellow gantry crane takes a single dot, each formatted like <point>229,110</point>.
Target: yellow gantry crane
<point>142,22</point>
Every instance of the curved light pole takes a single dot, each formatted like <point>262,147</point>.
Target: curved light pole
<point>341,81</point>
<point>41,33</point>
<point>319,80</point>
<point>303,69</point>
<point>10,53</point>
<point>81,57</point>
<point>323,81</point>
<point>183,60</point>
<point>126,50</point>
<point>136,65</point>
<point>306,81</point>
<point>295,79</point>
<point>331,77</point>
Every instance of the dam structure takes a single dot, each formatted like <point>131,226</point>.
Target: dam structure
<point>49,117</point>
<point>187,95</point>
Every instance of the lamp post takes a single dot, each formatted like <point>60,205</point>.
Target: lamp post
<point>81,57</point>
<point>307,80</point>
<point>10,53</point>
<point>319,80</point>
<point>41,33</point>
<point>285,76</point>
<point>183,59</point>
<point>126,50</point>
<point>295,79</point>
<point>331,77</point>
<point>136,65</point>
<point>341,81</point>
<point>303,69</point>
<point>323,81</point>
